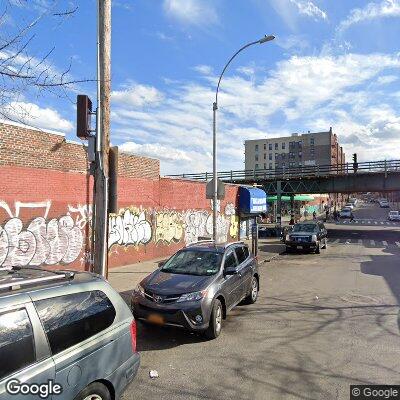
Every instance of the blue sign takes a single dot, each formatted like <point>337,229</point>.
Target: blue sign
<point>252,200</point>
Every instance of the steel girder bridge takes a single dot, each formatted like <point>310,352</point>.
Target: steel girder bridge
<point>374,176</point>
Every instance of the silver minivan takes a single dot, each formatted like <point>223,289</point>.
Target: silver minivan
<point>64,335</point>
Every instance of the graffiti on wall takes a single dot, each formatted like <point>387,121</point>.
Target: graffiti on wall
<point>129,227</point>
<point>168,227</point>
<point>40,242</point>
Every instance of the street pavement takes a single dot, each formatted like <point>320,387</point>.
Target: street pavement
<point>321,323</point>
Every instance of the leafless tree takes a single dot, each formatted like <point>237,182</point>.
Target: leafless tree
<point>23,72</point>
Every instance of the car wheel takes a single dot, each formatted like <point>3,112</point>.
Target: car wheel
<point>252,297</point>
<point>215,326</point>
<point>95,391</point>
<point>288,249</point>
<point>318,249</point>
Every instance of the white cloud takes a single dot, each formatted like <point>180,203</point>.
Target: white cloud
<point>373,10</point>
<point>303,92</point>
<point>192,12</point>
<point>33,115</point>
<point>309,9</point>
<point>384,80</point>
<point>203,69</point>
<point>136,95</point>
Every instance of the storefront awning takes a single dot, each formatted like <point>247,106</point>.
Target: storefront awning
<point>252,200</point>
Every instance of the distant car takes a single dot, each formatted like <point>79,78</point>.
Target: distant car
<point>64,327</point>
<point>394,216</point>
<point>307,235</point>
<point>353,201</point>
<point>384,204</point>
<point>197,286</point>
<point>345,213</point>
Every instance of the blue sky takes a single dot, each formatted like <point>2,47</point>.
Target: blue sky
<point>333,63</point>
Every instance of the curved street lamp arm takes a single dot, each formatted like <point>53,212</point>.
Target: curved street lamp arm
<point>226,66</point>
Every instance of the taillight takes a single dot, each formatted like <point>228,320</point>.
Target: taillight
<point>133,335</point>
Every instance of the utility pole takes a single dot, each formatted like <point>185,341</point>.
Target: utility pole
<point>102,136</point>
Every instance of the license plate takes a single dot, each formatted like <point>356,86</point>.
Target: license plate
<point>300,247</point>
<point>155,319</point>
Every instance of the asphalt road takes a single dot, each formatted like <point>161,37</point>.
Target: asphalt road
<point>321,323</point>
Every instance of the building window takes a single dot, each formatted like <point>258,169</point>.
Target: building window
<point>276,146</point>
<point>283,155</point>
<point>270,165</point>
<point>312,142</point>
<point>270,146</point>
<point>291,144</point>
<point>256,157</point>
<point>270,156</point>
<point>283,145</point>
<point>291,155</point>
<point>300,143</point>
<point>265,146</point>
<point>283,165</point>
<point>256,167</point>
<point>299,164</point>
<point>300,154</point>
<point>291,164</point>
<point>265,166</point>
<point>265,156</point>
<point>276,155</point>
<point>256,147</point>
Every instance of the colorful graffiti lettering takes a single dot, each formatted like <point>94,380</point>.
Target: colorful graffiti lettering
<point>130,227</point>
<point>169,227</point>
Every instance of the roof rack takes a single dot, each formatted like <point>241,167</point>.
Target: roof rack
<point>200,241</point>
<point>17,283</point>
<point>231,243</point>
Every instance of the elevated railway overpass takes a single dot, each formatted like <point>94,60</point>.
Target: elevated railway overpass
<point>374,176</point>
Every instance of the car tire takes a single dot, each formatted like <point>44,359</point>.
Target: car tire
<point>318,249</point>
<point>252,297</point>
<point>95,391</point>
<point>288,249</point>
<point>215,325</point>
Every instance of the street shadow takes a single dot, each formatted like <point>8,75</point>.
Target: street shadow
<point>152,337</point>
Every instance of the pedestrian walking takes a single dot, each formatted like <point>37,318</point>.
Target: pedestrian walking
<point>314,215</point>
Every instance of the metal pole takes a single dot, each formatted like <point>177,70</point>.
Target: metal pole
<point>102,136</point>
<point>215,194</point>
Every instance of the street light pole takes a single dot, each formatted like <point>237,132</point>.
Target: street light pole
<point>265,39</point>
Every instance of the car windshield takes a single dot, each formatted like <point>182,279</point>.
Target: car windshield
<point>305,228</point>
<point>194,262</point>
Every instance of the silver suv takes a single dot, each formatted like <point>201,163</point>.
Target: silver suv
<point>64,335</point>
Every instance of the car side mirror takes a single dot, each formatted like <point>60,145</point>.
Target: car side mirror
<point>231,271</point>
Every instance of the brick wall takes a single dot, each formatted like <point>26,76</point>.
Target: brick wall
<point>45,205</point>
<point>21,146</point>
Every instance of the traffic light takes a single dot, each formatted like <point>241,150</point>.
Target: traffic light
<point>83,117</point>
<point>355,163</point>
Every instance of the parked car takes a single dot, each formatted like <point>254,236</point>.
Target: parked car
<point>345,213</point>
<point>196,287</point>
<point>394,216</point>
<point>71,328</point>
<point>308,235</point>
<point>384,204</point>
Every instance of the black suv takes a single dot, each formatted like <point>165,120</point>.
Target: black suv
<point>307,235</point>
<point>197,286</point>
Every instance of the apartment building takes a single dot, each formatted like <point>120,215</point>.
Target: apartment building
<point>307,149</point>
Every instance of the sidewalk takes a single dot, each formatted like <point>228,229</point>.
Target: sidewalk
<point>125,279</point>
